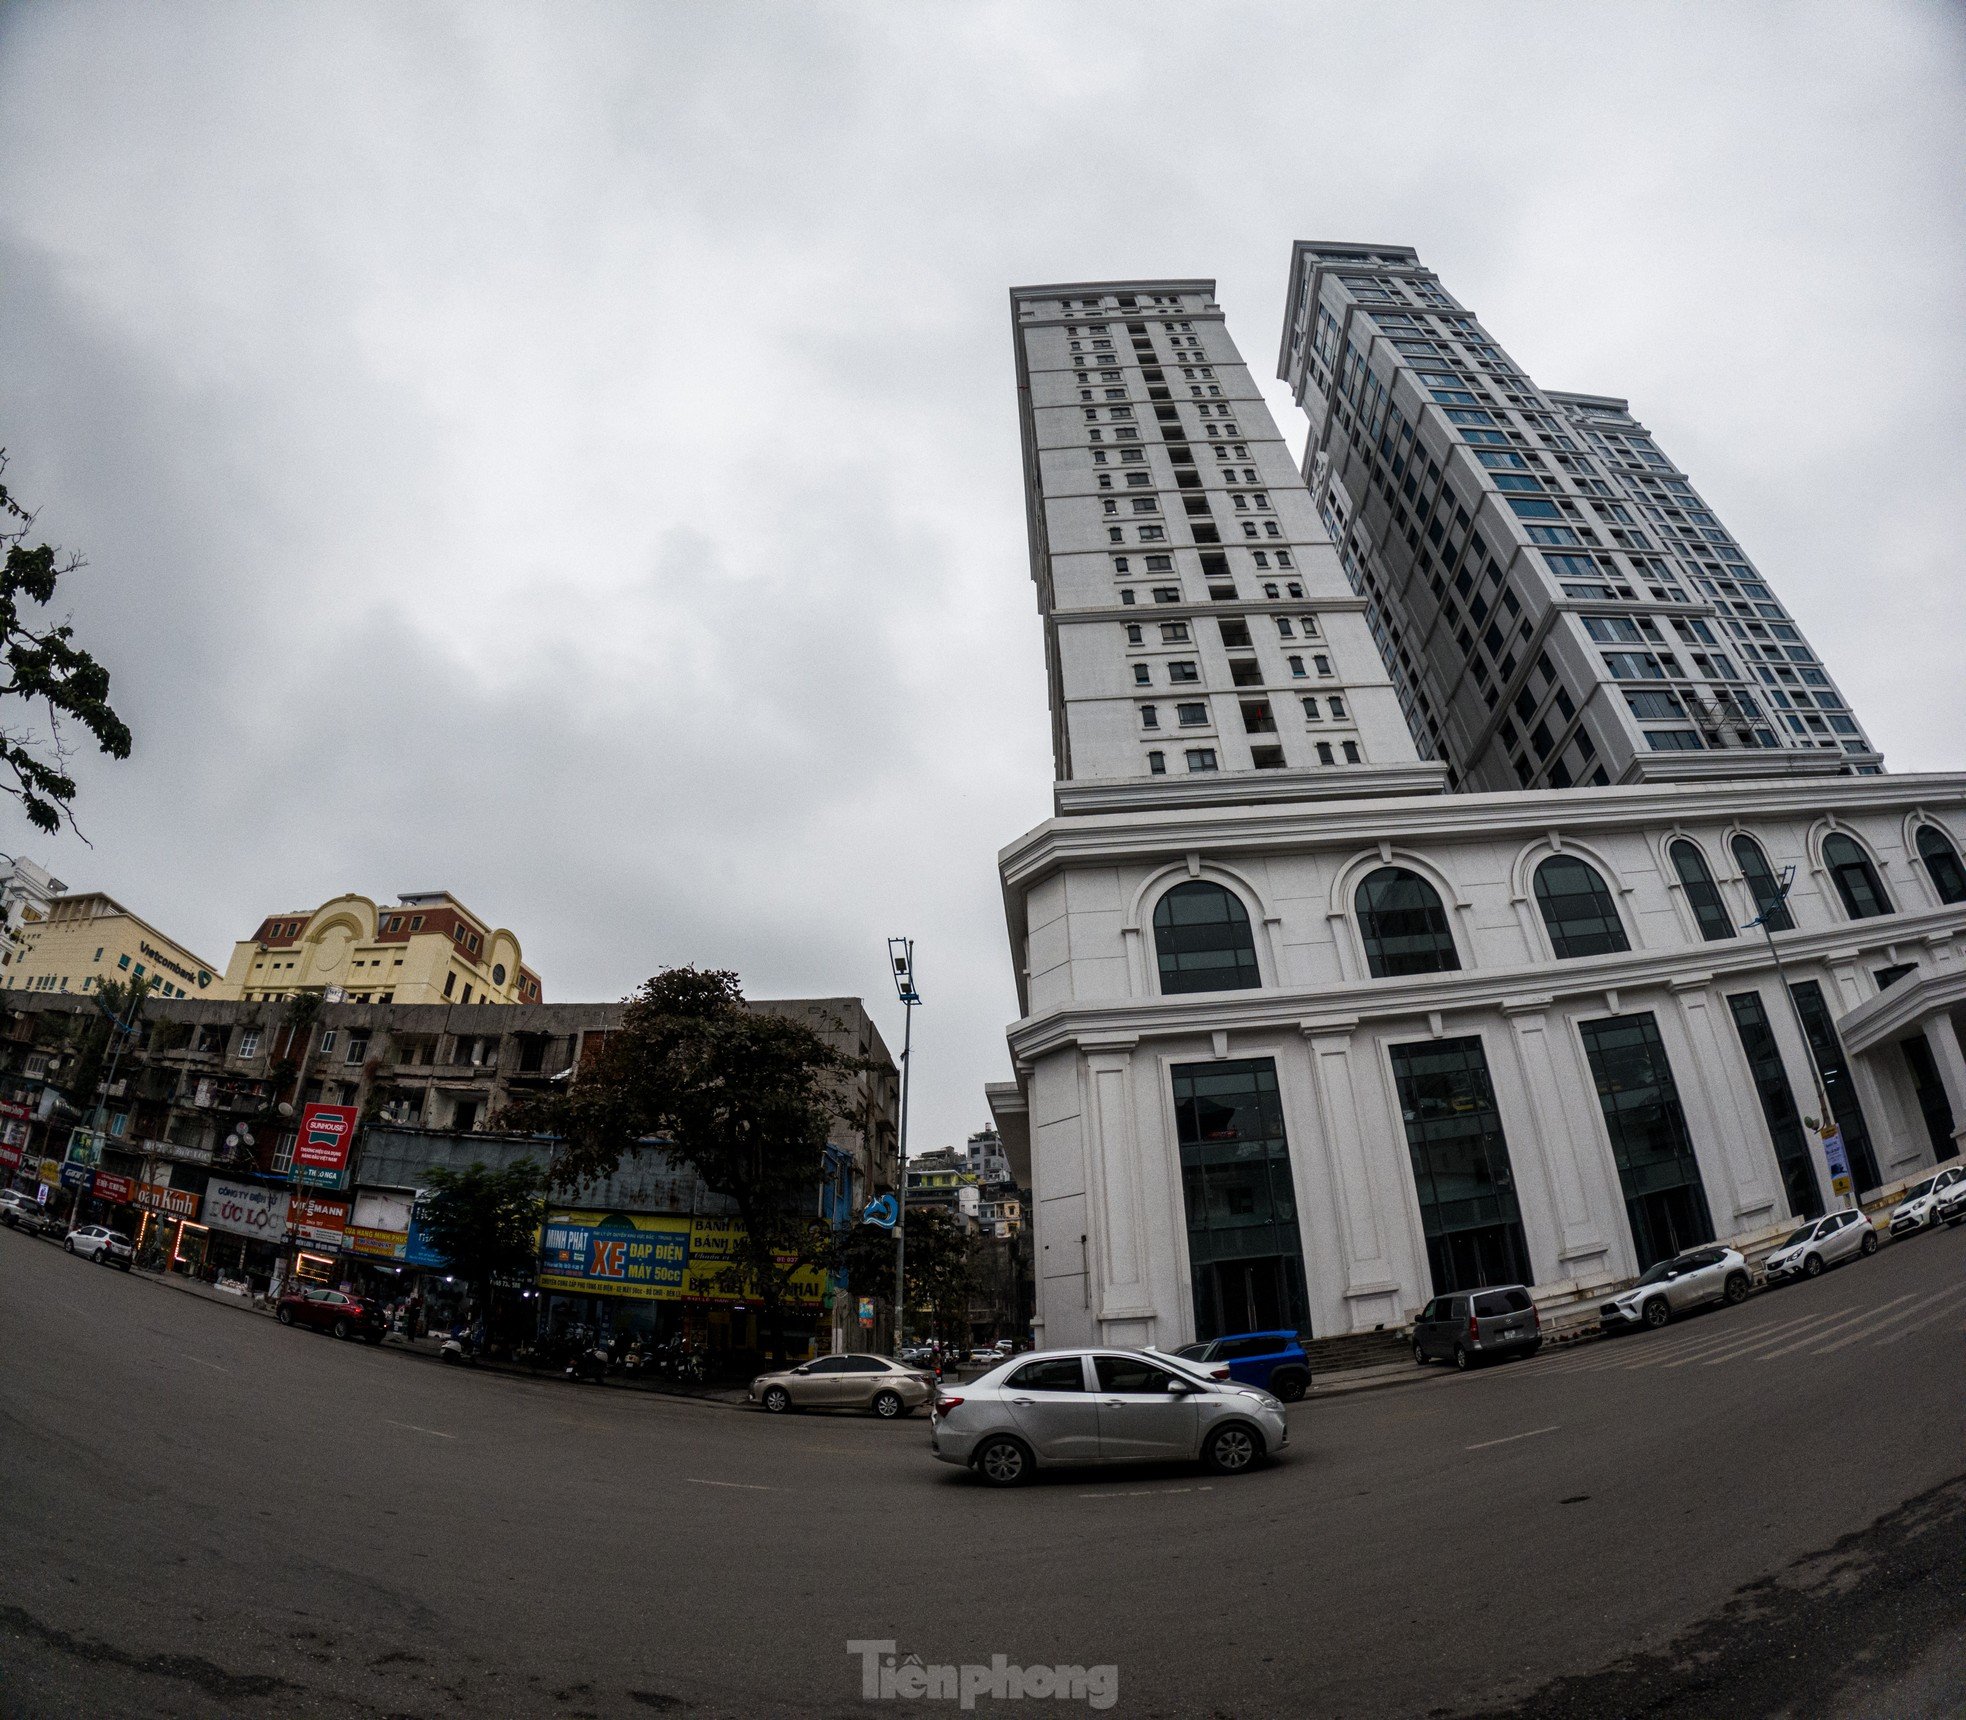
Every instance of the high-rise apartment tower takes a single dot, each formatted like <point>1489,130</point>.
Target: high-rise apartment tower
<point>1202,645</point>
<point>1555,602</point>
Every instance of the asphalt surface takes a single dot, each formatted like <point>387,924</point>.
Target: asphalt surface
<point>1757,1512</point>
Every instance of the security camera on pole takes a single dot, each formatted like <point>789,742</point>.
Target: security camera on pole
<point>901,956</point>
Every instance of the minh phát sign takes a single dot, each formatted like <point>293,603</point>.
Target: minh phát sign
<point>615,1254</point>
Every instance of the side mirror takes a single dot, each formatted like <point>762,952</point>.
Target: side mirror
<point>1181,1388</point>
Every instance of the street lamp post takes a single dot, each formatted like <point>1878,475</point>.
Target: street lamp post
<point>901,957</point>
<point>1786,882</point>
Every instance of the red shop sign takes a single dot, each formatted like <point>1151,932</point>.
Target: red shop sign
<point>326,1134</point>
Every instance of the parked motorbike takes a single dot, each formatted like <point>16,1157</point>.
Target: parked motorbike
<point>589,1364</point>
<point>459,1349</point>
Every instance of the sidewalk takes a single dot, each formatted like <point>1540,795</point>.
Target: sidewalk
<point>428,1349</point>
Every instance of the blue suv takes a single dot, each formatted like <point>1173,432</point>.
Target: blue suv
<point>1272,1361</point>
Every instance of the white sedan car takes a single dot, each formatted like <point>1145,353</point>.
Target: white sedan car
<point>99,1243</point>
<point>1826,1241</point>
<point>1919,1210</point>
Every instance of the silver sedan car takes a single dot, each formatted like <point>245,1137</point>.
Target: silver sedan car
<point>873,1383</point>
<point>1101,1406</point>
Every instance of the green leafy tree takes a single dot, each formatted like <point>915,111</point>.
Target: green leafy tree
<point>486,1223</point>
<point>940,1284</point>
<point>747,1099</point>
<point>53,677</point>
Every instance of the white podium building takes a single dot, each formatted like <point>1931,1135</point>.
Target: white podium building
<point>1306,1038</point>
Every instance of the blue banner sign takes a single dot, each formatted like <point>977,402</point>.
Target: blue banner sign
<point>614,1254</point>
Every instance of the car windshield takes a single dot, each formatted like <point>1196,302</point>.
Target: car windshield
<point>1660,1273</point>
<point>1921,1190</point>
<point>1193,1352</point>
<point>1795,1236</point>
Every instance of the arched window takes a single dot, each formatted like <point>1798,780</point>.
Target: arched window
<point>1942,861</point>
<point>1702,894</point>
<point>1766,889</point>
<point>1403,924</point>
<point>1203,940</point>
<point>1856,878</point>
<point>1577,908</point>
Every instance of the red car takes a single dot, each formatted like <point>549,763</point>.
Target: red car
<point>333,1311</point>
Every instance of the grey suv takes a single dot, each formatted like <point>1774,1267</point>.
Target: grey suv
<point>1474,1326</point>
<point>1101,1406</point>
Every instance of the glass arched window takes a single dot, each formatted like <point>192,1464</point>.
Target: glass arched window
<point>1856,878</point>
<point>1942,861</point>
<point>1578,909</point>
<point>1403,924</point>
<point>1763,885</point>
<point>1702,894</point>
<point>1203,940</point>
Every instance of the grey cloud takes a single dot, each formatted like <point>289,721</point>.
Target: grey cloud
<point>568,454</point>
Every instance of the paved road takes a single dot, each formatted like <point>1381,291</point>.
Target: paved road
<point>1761,1511</point>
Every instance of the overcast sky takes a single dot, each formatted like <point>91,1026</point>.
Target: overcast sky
<point>567,455</point>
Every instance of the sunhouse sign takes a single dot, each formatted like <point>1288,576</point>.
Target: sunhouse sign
<point>651,1259</point>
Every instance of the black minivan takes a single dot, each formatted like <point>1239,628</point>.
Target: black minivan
<point>1474,1326</point>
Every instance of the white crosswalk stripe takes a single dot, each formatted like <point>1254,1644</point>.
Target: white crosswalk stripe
<point>1950,1294</point>
<point>1856,1317</point>
<point>1822,1333</point>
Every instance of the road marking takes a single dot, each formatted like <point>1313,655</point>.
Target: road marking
<point>1147,1493</point>
<point>1861,1314</point>
<point>1764,1336</point>
<point>435,1433</point>
<point>200,1360</point>
<point>1890,1320</point>
<point>742,1486</point>
<point>1509,1439</point>
<point>1906,1331</point>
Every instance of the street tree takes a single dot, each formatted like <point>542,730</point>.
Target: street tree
<point>941,1283</point>
<point>746,1099</point>
<point>56,681</point>
<point>485,1223</point>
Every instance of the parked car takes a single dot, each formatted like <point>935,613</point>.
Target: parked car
<point>1271,1361</point>
<point>1063,1407</point>
<point>1475,1326</point>
<point>99,1243</point>
<point>1951,1205</point>
<point>1675,1286</point>
<point>875,1383</point>
<point>336,1311</point>
<point>1919,1209</point>
<point>1827,1241</point>
<point>23,1212</point>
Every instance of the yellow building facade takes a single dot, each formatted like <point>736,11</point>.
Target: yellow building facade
<point>422,949</point>
<point>78,942</point>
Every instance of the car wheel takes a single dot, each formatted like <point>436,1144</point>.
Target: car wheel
<point>68,1243</point>
<point>1813,1266</point>
<point>1657,1312</point>
<point>777,1399</point>
<point>1003,1461</point>
<point>341,1328</point>
<point>1419,1355</point>
<point>1288,1384</point>
<point>286,1316</point>
<point>1869,1245</point>
<point>1462,1359</point>
<point>1737,1290</point>
<point>1231,1450</point>
<point>888,1405</point>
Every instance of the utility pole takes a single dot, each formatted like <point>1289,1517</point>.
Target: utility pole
<point>120,1029</point>
<point>1828,1120</point>
<point>901,956</point>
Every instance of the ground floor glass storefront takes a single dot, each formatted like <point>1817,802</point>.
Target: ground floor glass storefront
<point>1244,1250</point>
<point>1665,1199</point>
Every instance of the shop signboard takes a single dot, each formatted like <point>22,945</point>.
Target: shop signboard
<point>615,1254</point>
<point>9,1157</point>
<point>76,1176</point>
<point>418,1250</point>
<point>19,1113</point>
<point>326,1134</point>
<point>245,1209</point>
<point>317,1220</point>
<point>176,1202</point>
<point>85,1148</point>
<point>51,1172</point>
<point>110,1187</point>
<point>716,1275</point>
<point>379,1224</point>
